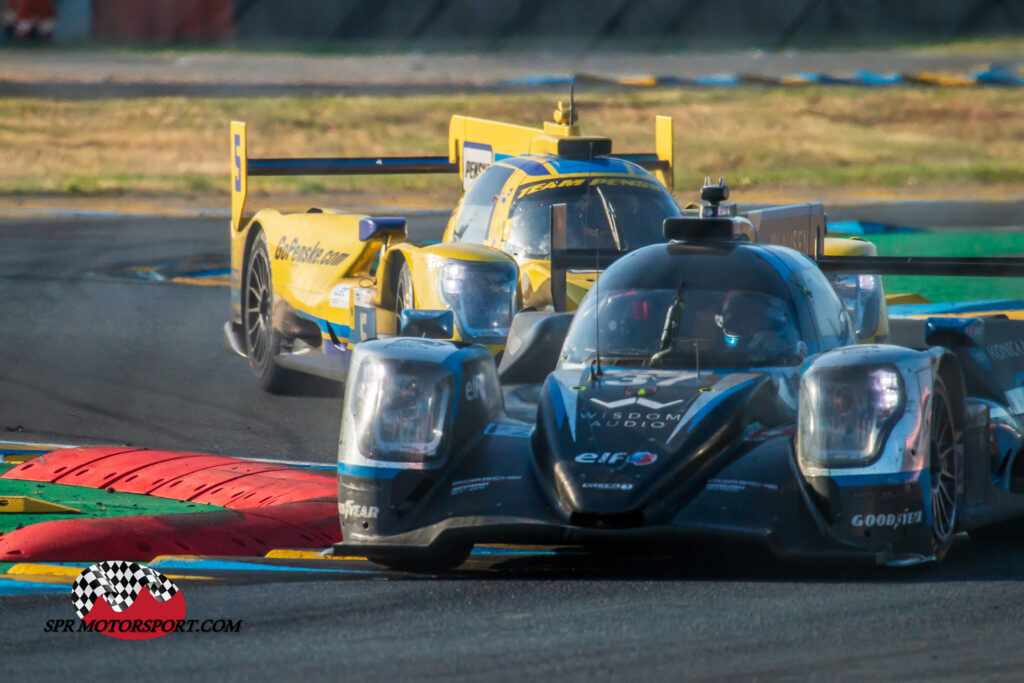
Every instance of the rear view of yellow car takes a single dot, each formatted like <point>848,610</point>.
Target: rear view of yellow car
<point>306,287</point>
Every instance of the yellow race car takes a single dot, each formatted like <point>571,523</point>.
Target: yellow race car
<point>306,287</point>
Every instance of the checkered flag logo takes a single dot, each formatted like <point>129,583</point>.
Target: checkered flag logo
<point>119,583</point>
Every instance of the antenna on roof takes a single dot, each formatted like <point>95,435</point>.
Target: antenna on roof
<point>595,366</point>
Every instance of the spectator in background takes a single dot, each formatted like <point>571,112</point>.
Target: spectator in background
<point>29,19</point>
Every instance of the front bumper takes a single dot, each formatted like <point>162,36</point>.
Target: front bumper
<point>761,498</point>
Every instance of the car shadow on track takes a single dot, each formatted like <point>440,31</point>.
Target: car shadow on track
<point>968,560</point>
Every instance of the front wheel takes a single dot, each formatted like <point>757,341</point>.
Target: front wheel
<point>943,468</point>
<point>404,296</point>
<point>262,341</point>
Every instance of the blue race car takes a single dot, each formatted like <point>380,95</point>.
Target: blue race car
<point>707,387</point>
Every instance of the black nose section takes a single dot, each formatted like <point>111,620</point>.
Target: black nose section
<point>630,459</point>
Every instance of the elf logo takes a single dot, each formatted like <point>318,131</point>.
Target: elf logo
<point>639,458</point>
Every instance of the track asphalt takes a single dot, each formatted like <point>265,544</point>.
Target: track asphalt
<point>90,356</point>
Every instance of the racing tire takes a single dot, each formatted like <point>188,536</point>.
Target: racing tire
<point>942,467</point>
<point>404,295</point>
<point>262,341</point>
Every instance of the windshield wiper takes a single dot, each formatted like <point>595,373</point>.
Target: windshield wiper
<point>610,213</point>
<point>671,327</point>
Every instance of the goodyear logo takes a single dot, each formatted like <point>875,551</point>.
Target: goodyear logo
<point>296,252</point>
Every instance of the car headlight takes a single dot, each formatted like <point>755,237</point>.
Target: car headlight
<point>846,414</point>
<point>862,297</point>
<point>482,295</point>
<point>400,409</point>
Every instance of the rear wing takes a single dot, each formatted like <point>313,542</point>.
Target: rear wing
<point>474,144</point>
<point>242,167</point>
<point>949,266</point>
<point>803,227</point>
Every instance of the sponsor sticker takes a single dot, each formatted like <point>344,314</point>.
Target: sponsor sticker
<point>341,296</point>
<point>363,296</point>
<point>607,486</point>
<point>1006,350</point>
<point>296,252</point>
<point>639,458</point>
<point>475,387</point>
<point>480,483</point>
<point>511,431</point>
<point>353,510</point>
<point>631,419</point>
<point>636,401</point>
<point>476,157</point>
<point>887,520</point>
<point>738,485</point>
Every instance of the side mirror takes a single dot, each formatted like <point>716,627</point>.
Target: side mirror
<point>382,228</point>
<point>430,324</point>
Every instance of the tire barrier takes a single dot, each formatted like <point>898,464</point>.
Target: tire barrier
<point>991,75</point>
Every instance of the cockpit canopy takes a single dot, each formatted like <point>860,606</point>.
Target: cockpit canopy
<point>733,305</point>
<point>619,213</point>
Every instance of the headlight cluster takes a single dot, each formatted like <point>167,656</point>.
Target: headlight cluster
<point>846,414</point>
<point>482,295</point>
<point>399,409</point>
<point>862,297</point>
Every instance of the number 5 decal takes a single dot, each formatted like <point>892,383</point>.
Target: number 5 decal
<point>238,163</point>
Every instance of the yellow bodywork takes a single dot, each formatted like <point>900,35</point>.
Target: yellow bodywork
<point>843,246</point>
<point>323,274</point>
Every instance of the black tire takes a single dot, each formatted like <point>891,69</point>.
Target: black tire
<point>262,341</point>
<point>943,471</point>
<point>404,295</point>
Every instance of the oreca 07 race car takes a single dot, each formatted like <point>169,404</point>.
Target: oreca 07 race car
<point>707,387</point>
<point>306,287</point>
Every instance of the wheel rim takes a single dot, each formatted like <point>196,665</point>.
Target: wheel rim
<point>404,293</point>
<point>943,471</point>
<point>257,308</point>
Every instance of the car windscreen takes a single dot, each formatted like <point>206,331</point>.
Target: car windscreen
<point>618,213</point>
<point>727,302</point>
<point>725,328</point>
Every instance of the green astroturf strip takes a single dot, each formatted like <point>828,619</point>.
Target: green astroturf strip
<point>92,503</point>
<point>942,289</point>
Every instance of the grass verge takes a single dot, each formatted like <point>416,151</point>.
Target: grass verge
<point>793,143</point>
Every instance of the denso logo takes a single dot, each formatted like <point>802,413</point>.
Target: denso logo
<point>639,458</point>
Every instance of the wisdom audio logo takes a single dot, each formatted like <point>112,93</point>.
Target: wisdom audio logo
<point>128,601</point>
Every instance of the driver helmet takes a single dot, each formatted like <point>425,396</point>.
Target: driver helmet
<point>757,325</point>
